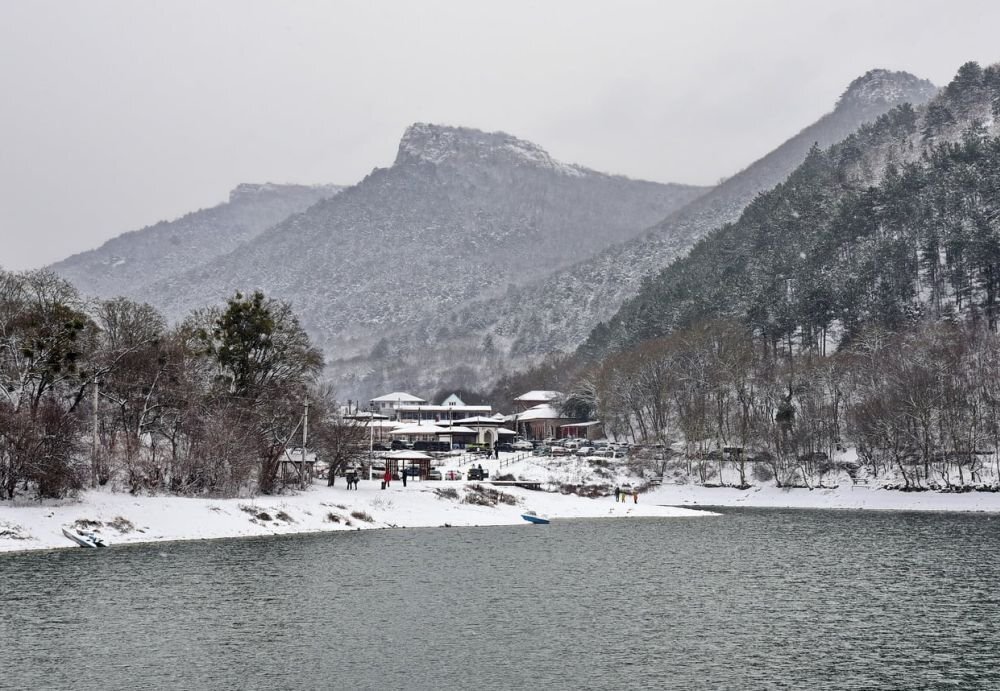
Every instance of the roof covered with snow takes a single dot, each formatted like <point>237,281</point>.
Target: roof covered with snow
<point>398,397</point>
<point>538,396</point>
<point>541,412</point>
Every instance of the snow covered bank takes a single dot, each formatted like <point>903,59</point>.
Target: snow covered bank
<point>843,497</point>
<point>123,518</point>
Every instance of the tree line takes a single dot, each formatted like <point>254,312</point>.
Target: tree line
<point>921,405</point>
<point>93,393</point>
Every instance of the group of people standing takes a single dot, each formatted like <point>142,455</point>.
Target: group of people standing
<point>623,494</point>
<point>352,478</point>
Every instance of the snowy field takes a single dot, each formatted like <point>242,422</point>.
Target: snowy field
<point>124,518</point>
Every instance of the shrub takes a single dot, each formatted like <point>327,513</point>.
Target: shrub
<point>362,516</point>
<point>121,524</point>
<point>282,516</point>
<point>331,517</point>
<point>446,493</point>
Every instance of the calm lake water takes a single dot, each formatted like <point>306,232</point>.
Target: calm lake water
<point>751,599</point>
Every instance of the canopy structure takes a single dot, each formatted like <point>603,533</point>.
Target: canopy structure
<point>419,429</point>
<point>405,455</point>
<point>459,429</point>
<point>480,420</point>
<point>396,462</point>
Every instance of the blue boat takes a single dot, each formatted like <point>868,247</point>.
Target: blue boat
<point>534,518</point>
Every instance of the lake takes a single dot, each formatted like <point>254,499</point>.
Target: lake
<point>750,599</point>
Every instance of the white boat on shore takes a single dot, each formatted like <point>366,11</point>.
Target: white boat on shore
<point>84,538</point>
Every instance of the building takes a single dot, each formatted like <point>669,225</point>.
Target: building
<point>407,408</point>
<point>540,422</point>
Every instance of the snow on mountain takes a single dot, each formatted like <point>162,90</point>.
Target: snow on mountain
<point>127,263</point>
<point>558,312</point>
<point>460,215</point>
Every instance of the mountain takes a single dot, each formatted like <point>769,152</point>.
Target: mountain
<point>897,223</point>
<point>558,312</point>
<point>126,264</point>
<point>460,215</point>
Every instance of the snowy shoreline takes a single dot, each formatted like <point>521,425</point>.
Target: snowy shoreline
<point>123,518</point>
<point>847,497</point>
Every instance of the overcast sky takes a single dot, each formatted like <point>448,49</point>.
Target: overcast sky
<point>115,115</point>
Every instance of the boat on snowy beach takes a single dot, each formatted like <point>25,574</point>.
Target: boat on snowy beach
<point>532,517</point>
<point>84,538</point>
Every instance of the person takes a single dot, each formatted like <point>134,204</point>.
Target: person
<point>617,492</point>
<point>496,449</point>
<point>404,477</point>
<point>635,496</point>
<point>388,476</point>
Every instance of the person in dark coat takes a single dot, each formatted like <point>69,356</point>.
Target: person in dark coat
<point>618,493</point>
<point>404,477</point>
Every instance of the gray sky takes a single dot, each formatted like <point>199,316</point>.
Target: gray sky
<point>115,115</point>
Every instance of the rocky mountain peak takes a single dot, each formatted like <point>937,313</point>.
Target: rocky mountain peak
<point>438,144</point>
<point>880,88</point>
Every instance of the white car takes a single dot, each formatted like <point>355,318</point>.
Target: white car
<point>523,445</point>
<point>585,451</point>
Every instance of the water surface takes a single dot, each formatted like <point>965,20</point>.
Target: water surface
<point>763,598</point>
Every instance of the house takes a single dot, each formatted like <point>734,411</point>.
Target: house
<point>587,430</point>
<point>540,422</point>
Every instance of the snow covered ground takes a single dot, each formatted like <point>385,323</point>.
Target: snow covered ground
<point>124,518</point>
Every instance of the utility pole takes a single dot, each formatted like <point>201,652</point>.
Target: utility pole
<point>93,448</point>
<point>305,439</point>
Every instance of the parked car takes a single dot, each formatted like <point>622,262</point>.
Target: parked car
<point>478,474</point>
<point>412,471</point>
<point>434,474</point>
<point>453,475</point>
<point>559,451</point>
<point>571,444</point>
<point>585,451</point>
<point>523,445</point>
<point>399,444</point>
<point>506,447</point>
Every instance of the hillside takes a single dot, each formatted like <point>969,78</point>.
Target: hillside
<point>126,264</point>
<point>460,215</point>
<point>898,222</point>
<point>558,312</point>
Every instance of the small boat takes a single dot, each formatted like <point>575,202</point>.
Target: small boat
<point>84,538</point>
<point>532,517</point>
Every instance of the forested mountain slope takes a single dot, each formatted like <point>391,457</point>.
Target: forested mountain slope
<point>479,342</point>
<point>460,215</point>
<point>899,221</point>
<point>126,264</point>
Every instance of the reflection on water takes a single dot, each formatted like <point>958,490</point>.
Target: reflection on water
<point>752,599</point>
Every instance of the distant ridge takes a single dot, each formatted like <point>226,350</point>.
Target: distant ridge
<point>126,264</point>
